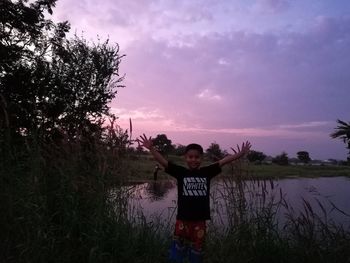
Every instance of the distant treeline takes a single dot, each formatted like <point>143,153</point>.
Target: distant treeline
<point>214,152</point>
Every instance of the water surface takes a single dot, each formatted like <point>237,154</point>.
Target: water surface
<point>329,197</point>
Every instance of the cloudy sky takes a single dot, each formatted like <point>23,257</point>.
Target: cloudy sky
<point>275,72</point>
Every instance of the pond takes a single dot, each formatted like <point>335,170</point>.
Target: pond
<point>328,197</point>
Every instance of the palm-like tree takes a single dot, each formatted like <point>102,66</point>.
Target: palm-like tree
<point>342,131</point>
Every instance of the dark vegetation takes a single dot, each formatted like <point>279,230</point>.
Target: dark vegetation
<point>342,131</point>
<point>60,148</point>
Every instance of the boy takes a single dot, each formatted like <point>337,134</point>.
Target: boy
<point>193,187</point>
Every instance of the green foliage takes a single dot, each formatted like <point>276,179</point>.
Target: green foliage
<point>303,156</point>
<point>281,159</point>
<point>179,149</point>
<point>342,131</point>
<point>163,144</point>
<point>256,156</point>
<point>214,152</point>
<point>49,84</point>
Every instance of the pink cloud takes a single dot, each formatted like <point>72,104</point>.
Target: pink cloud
<point>228,79</point>
<point>271,6</point>
<point>208,95</point>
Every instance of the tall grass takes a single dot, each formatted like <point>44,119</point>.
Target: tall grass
<point>253,231</point>
<point>56,205</point>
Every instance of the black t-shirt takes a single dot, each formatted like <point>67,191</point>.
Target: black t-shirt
<point>193,189</point>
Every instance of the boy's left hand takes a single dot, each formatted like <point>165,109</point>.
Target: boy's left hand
<point>244,149</point>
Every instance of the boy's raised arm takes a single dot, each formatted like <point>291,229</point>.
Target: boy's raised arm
<point>148,144</point>
<point>238,154</point>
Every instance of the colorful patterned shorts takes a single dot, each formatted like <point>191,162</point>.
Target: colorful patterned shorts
<point>188,241</point>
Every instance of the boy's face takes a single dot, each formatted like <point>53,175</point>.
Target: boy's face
<point>193,159</point>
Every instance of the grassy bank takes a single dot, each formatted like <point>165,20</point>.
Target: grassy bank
<point>279,171</point>
<point>141,167</point>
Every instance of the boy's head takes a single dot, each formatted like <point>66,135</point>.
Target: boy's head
<point>193,155</point>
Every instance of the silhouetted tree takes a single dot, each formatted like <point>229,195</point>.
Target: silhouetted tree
<point>47,82</point>
<point>214,152</point>
<point>179,149</point>
<point>281,159</point>
<point>163,144</point>
<point>303,156</point>
<point>50,88</point>
<point>256,156</point>
<point>342,131</point>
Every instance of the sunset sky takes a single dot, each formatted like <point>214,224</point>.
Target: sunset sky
<point>275,72</point>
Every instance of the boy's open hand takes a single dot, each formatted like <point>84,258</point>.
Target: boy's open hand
<point>244,149</point>
<point>145,142</point>
<point>239,153</point>
<point>148,144</point>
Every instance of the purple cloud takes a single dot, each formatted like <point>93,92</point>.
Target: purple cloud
<point>271,6</point>
<point>229,81</point>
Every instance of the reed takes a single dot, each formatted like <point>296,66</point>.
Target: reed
<point>254,233</point>
<point>57,204</point>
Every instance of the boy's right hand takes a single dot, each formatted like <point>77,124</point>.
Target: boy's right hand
<point>145,142</point>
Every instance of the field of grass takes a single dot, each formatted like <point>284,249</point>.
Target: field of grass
<point>141,167</point>
<point>277,171</point>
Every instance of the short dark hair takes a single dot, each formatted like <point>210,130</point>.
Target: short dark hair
<point>194,146</point>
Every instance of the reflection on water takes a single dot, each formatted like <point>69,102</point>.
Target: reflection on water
<point>155,199</point>
<point>157,190</point>
<point>330,194</point>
